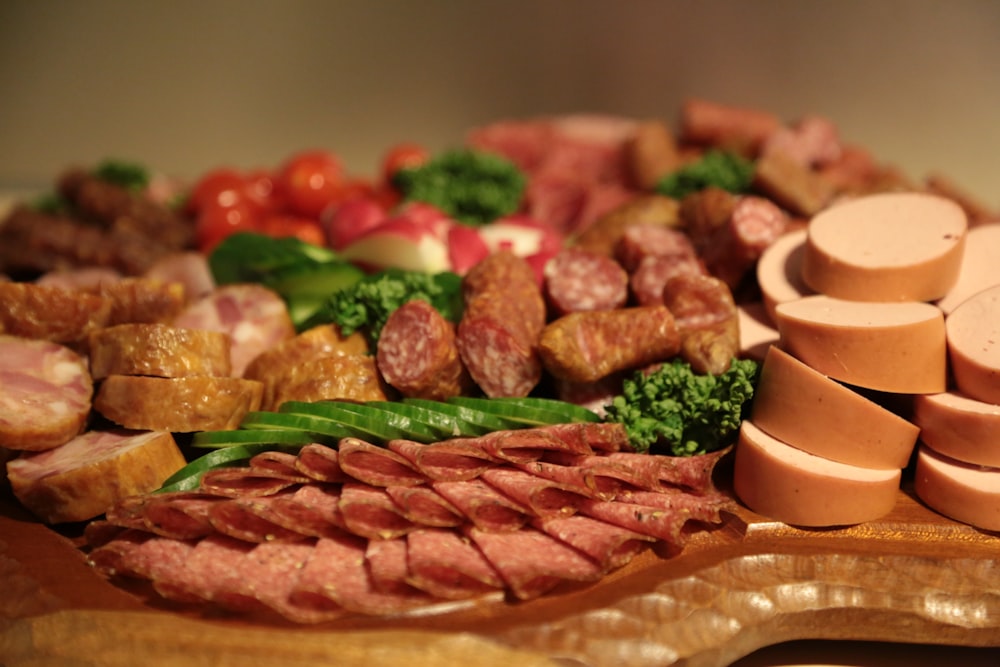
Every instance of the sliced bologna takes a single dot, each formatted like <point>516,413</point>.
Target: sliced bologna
<point>973,331</point>
<point>959,427</point>
<point>806,409</point>
<point>779,271</point>
<point>899,246</point>
<point>961,491</point>
<point>45,394</point>
<point>980,268</point>
<point>159,350</point>
<point>790,485</point>
<point>85,477</point>
<point>180,405</point>
<point>892,347</point>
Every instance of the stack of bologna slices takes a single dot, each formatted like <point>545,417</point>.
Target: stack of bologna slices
<point>879,302</point>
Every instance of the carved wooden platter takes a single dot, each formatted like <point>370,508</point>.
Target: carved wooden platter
<point>913,577</point>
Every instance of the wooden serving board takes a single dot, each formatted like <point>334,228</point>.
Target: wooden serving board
<point>912,577</point>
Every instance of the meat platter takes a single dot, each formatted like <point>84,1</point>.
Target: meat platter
<point>912,577</point>
<point>813,526</point>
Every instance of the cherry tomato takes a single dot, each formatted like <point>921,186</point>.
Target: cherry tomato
<point>310,181</point>
<point>304,229</point>
<point>402,156</point>
<point>215,222</point>
<point>262,191</point>
<point>222,186</point>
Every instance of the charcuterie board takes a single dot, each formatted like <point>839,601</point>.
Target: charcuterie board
<point>913,577</point>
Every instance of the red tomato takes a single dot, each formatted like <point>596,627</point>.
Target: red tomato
<point>262,191</point>
<point>402,156</point>
<point>304,229</point>
<point>352,219</point>
<point>222,186</point>
<point>215,222</point>
<point>310,181</point>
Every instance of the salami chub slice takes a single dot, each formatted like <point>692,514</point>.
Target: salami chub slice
<point>579,280</point>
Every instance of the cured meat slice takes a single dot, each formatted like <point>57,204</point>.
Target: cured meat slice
<point>251,519</point>
<point>109,557</point>
<point>666,525</point>
<point>532,562</point>
<point>704,508</point>
<point>181,515</point>
<point>279,462</point>
<point>531,444</point>
<point>446,461</point>
<point>652,240</point>
<point>425,506</point>
<point>692,472</point>
<point>160,560</point>
<point>608,545</point>
<point>370,512</point>
<point>647,281</point>
<point>604,233</point>
<point>584,347</point>
<point>236,482</point>
<point>179,405</point>
<point>209,573</point>
<point>585,437</point>
<point>254,317</point>
<point>484,506</point>
<point>446,565</point>
<point>312,510</point>
<point>613,473</point>
<point>417,353</point>
<point>159,350</point>
<point>376,465</point>
<point>337,576</point>
<point>580,280</point>
<point>83,478</point>
<point>320,463</point>
<point>49,313</point>
<point>45,394</point>
<point>348,377</point>
<point>388,567</point>
<point>543,497</point>
<point>579,478</point>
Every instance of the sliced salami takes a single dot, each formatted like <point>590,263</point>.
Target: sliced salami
<point>312,510</point>
<point>650,240</point>
<point>375,465</point>
<point>446,565</point>
<point>543,497</point>
<point>209,573</point>
<point>446,461</point>
<point>664,525</point>
<point>647,281</point>
<point>251,519</point>
<point>109,557</point>
<point>370,512</point>
<point>389,569</point>
<point>579,280</point>
<point>160,561</point>
<point>484,506</point>
<point>320,463</point>
<point>425,506</point>
<point>246,482</point>
<point>608,545</point>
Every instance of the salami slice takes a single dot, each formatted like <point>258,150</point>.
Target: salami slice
<point>446,461</point>
<point>532,562</point>
<point>160,561</point>
<point>236,482</point>
<point>251,519</point>
<point>650,240</point>
<point>664,525</point>
<point>417,353</point>
<point>543,497</point>
<point>530,444</point>
<point>312,510</point>
<point>424,506</point>
<point>445,565</point>
<point>588,437</point>
<point>180,515</point>
<point>608,545</point>
<point>370,512</point>
<point>647,281</point>
<point>279,462</point>
<point>320,463</point>
<point>692,472</point>
<point>705,508</point>
<point>209,573</point>
<point>579,478</point>
<point>45,394</point>
<point>376,465</point>
<point>389,569</point>
<point>579,280</point>
<point>484,506</point>
<point>109,558</point>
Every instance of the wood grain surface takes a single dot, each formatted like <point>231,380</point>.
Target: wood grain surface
<point>913,577</point>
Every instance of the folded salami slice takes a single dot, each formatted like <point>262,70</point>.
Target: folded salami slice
<point>376,465</point>
<point>110,557</point>
<point>160,560</point>
<point>447,461</point>
<point>542,496</point>
<point>609,545</point>
<point>182,515</point>
<point>444,564</point>
<point>666,525</point>
<point>252,519</point>
<point>692,472</point>
<point>530,444</point>
<point>241,482</point>
<point>484,506</point>
<point>209,573</point>
<point>578,478</point>
<point>370,512</point>
<point>697,507</point>
<point>282,463</point>
<point>312,510</point>
<point>389,569</point>
<point>610,476</point>
<point>532,562</point>
<point>320,463</point>
<point>587,437</point>
<point>425,506</point>
<point>337,576</point>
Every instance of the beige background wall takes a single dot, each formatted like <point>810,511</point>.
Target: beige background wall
<point>185,85</point>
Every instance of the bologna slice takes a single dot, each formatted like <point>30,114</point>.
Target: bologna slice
<point>779,271</point>
<point>959,427</point>
<point>980,268</point>
<point>45,394</point>
<point>159,350</point>
<point>973,331</point>
<point>806,409</point>
<point>892,347</point>
<point>961,491</point>
<point>899,246</point>
<point>790,485</point>
<point>85,477</point>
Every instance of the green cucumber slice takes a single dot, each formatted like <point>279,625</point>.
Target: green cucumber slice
<point>370,423</point>
<point>571,412</point>
<point>321,430</point>
<point>216,439</point>
<point>482,420</point>
<point>189,477</point>
<point>522,415</point>
<point>439,424</point>
<point>411,428</point>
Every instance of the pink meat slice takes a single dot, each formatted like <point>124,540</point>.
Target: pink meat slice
<point>180,515</point>
<point>611,476</point>
<point>542,496</point>
<point>589,437</point>
<point>484,506</point>
<point>530,444</point>
<point>251,519</point>
<point>692,472</point>
<point>110,557</point>
<point>532,562</point>
<point>279,462</point>
<point>370,512</point>
<point>210,575</point>
<point>320,463</point>
<point>160,560</point>
<point>312,510</point>
<point>698,507</point>
<point>424,506</point>
<point>242,482</point>
<point>578,478</point>
<point>376,465</point>
<point>609,545</point>
<point>445,565</point>
<point>388,567</point>
<point>449,460</point>
<point>666,525</point>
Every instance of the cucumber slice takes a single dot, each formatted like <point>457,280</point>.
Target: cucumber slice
<point>571,412</point>
<point>411,428</point>
<point>440,424</point>
<point>189,477</point>
<point>321,430</point>
<point>369,422</point>
<point>477,418</point>
<point>520,414</point>
<point>216,439</point>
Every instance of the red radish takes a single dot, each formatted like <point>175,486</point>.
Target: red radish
<point>414,240</point>
<point>351,220</point>
<point>522,235</point>
<point>466,248</point>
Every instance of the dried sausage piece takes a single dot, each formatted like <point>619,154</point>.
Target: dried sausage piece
<point>733,128</point>
<point>653,272</point>
<point>651,153</point>
<point>143,300</point>
<point>755,223</point>
<point>707,320</point>
<point>584,347</point>
<point>51,313</point>
<point>794,187</point>
<point>641,241</point>
<point>159,350</point>
<point>577,280</point>
<point>417,353</point>
<point>603,234</point>
<point>45,394</point>
<point>180,405</point>
<point>349,377</point>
